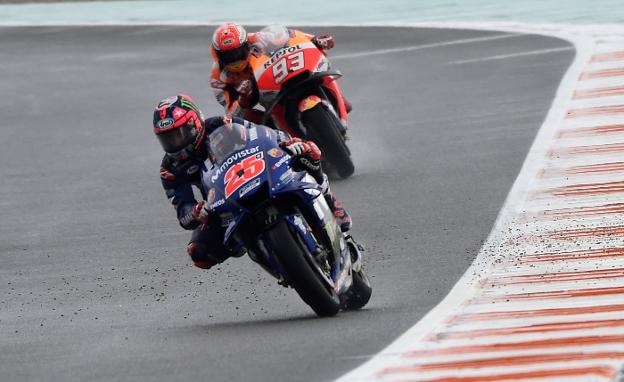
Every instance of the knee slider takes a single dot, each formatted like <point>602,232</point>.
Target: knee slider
<point>199,254</point>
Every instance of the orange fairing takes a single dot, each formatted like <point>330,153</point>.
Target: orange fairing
<point>309,103</point>
<point>272,72</point>
<point>286,63</point>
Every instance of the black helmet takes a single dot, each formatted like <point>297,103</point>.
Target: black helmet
<point>178,124</point>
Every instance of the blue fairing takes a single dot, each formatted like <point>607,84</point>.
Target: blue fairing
<point>245,171</point>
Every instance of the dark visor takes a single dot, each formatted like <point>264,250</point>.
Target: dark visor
<point>176,139</point>
<point>233,55</point>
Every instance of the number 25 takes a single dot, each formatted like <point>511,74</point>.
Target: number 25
<point>242,173</point>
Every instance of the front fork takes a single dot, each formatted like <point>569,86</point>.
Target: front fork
<point>356,250</point>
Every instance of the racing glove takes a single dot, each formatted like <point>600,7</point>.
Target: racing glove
<point>297,147</point>
<point>246,98</point>
<point>200,211</point>
<point>323,41</point>
<point>307,153</point>
<point>244,87</point>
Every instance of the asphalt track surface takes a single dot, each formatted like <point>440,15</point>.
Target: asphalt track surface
<point>96,284</point>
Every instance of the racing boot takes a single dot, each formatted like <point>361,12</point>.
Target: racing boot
<point>340,214</point>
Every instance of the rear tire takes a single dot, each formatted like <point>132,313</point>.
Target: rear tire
<point>301,270</point>
<point>324,130</point>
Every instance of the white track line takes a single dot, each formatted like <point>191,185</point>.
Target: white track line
<point>513,55</point>
<point>544,299</point>
<point>425,46</point>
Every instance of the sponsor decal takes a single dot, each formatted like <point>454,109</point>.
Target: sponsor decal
<point>280,162</point>
<point>228,41</point>
<point>253,134</point>
<point>166,102</point>
<point>216,204</point>
<point>248,187</point>
<point>186,103</point>
<point>178,112</point>
<point>322,66</point>
<point>228,162</point>
<point>280,53</point>
<point>299,223</point>
<point>286,175</point>
<point>211,195</point>
<point>164,123</point>
<point>193,169</point>
<point>275,153</point>
<point>309,103</point>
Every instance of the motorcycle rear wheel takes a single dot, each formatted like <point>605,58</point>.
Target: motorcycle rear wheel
<point>301,270</point>
<point>325,131</point>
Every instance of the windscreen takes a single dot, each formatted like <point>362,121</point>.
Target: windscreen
<point>227,140</point>
<point>272,38</point>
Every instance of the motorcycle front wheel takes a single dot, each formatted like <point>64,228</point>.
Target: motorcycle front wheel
<point>301,270</point>
<point>325,132</point>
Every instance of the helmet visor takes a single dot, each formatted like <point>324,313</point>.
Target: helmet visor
<point>177,139</point>
<point>230,56</point>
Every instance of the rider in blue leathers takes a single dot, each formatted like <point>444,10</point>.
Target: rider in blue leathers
<point>182,131</point>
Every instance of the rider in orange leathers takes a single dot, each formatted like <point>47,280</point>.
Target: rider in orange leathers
<point>232,77</point>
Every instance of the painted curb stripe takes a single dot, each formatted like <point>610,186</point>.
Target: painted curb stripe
<point>531,329</point>
<point>580,255</point>
<point>503,361</point>
<point>517,314</point>
<point>590,111</point>
<point>600,92</point>
<point>613,56</point>
<point>587,150</point>
<point>586,189</point>
<point>563,276</point>
<point>524,345</point>
<point>598,371</point>
<point>602,74</point>
<point>583,170</point>
<point>566,213</point>
<point>590,131</point>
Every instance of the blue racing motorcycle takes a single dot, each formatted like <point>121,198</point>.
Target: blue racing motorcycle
<point>278,216</point>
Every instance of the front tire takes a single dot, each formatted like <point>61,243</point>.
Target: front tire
<point>359,293</point>
<point>323,128</point>
<point>301,270</point>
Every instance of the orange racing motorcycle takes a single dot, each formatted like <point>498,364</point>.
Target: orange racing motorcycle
<point>298,91</point>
